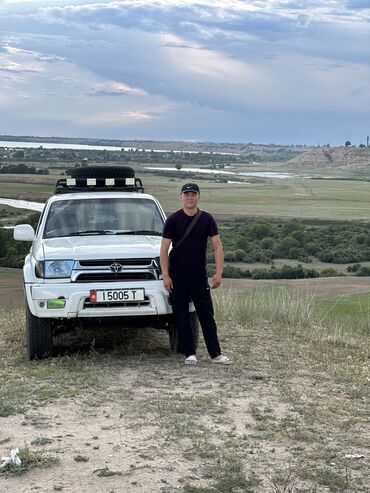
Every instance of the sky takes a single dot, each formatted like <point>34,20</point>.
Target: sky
<point>261,71</point>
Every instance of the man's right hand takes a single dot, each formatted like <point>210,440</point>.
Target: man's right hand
<point>167,282</point>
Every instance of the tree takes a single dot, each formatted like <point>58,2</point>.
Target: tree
<point>178,166</point>
<point>348,143</point>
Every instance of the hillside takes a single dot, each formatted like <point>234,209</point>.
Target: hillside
<point>340,157</point>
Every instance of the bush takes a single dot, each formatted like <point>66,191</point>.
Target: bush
<point>240,255</point>
<point>282,248</point>
<point>230,256</point>
<point>363,272</point>
<point>242,243</point>
<point>325,256</point>
<point>286,272</point>
<point>330,272</point>
<point>260,230</point>
<point>354,267</point>
<point>267,244</point>
<point>232,272</point>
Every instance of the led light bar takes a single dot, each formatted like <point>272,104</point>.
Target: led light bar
<point>109,182</point>
<point>91,182</point>
<point>71,182</point>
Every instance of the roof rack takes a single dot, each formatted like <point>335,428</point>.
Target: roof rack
<point>100,184</point>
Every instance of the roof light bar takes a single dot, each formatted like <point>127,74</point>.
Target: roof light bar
<point>71,182</point>
<point>109,182</point>
<point>91,182</point>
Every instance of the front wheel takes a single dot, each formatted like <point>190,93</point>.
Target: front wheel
<point>173,335</point>
<point>39,336</point>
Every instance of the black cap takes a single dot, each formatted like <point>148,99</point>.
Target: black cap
<point>190,187</point>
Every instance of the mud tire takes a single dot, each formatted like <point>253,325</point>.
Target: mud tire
<point>39,336</point>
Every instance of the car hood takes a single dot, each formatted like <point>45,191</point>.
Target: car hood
<point>98,247</point>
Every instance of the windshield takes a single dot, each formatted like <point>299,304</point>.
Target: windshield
<point>103,216</point>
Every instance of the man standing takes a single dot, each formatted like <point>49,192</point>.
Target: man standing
<point>185,275</point>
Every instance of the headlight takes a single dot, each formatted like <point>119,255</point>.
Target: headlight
<point>54,269</point>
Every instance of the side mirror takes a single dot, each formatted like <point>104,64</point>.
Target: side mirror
<point>24,232</point>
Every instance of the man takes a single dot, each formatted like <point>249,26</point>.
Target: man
<point>185,275</point>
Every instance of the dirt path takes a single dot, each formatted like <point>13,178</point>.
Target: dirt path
<point>122,414</point>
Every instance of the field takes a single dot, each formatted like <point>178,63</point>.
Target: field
<point>296,197</point>
<point>304,198</point>
<point>116,411</point>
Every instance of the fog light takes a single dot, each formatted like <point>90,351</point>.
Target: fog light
<point>54,304</point>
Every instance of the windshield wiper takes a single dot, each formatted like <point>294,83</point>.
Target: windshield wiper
<point>140,232</point>
<point>91,232</point>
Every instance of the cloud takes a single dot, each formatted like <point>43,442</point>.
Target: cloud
<point>116,118</point>
<point>147,63</point>
<point>112,88</point>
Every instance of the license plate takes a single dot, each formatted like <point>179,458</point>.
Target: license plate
<point>119,295</point>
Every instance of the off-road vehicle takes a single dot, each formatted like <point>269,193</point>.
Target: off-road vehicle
<point>95,257</point>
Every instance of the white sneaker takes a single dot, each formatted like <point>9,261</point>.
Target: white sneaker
<point>222,360</point>
<point>191,360</point>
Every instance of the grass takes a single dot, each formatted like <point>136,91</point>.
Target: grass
<point>29,460</point>
<point>347,309</point>
<point>298,197</point>
<point>7,189</point>
<point>280,419</point>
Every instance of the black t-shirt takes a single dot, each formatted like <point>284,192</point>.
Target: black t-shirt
<point>192,253</point>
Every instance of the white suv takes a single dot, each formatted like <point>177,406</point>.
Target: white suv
<point>95,254</point>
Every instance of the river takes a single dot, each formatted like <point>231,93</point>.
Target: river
<point>22,204</point>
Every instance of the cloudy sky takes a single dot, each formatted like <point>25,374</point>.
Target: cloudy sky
<point>262,71</point>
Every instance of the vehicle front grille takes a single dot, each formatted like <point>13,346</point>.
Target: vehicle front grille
<point>115,270</point>
<point>124,261</point>
<point>112,277</point>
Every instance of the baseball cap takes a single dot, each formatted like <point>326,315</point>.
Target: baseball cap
<point>190,187</point>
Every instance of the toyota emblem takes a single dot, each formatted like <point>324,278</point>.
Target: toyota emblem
<point>116,267</point>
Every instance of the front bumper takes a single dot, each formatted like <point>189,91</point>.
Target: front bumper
<point>78,305</point>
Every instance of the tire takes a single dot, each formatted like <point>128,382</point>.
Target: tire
<point>173,335</point>
<point>39,336</point>
<point>103,172</point>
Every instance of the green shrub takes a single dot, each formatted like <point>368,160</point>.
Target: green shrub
<point>232,272</point>
<point>330,272</point>
<point>354,267</point>
<point>230,256</point>
<point>240,255</point>
<point>267,244</point>
<point>363,272</point>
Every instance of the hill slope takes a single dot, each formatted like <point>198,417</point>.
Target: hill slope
<point>339,157</point>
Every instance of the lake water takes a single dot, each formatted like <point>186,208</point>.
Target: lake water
<point>259,174</point>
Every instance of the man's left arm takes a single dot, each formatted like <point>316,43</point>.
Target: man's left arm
<point>219,258</point>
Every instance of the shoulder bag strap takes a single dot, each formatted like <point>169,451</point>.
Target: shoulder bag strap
<point>189,228</point>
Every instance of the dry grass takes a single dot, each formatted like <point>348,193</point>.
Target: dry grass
<point>281,419</point>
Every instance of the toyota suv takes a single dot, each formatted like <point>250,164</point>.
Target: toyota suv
<point>94,257</point>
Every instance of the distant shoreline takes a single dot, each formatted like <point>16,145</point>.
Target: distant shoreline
<point>168,145</point>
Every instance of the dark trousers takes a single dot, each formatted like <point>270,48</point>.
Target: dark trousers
<point>193,285</point>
